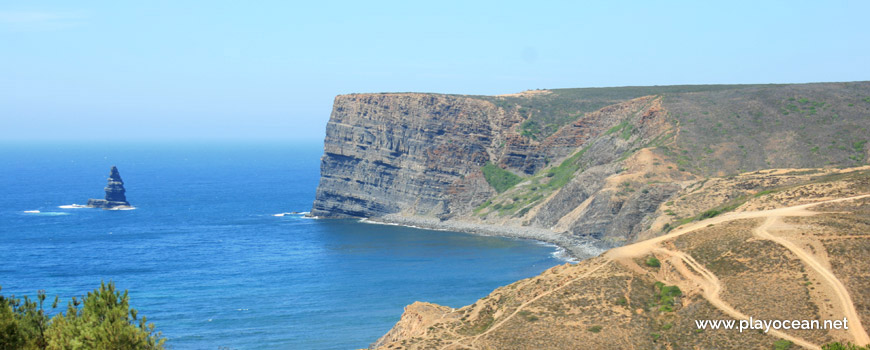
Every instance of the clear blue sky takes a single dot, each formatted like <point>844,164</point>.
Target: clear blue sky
<point>270,69</point>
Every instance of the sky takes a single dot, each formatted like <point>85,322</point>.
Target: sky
<point>269,70</point>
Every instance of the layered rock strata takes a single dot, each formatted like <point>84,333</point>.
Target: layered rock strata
<point>115,193</point>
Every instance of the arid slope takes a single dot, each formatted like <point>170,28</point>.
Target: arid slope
<point>799,250</point>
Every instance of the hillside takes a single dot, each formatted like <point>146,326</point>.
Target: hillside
<point>573,166</point>
<point>798,250</point>
<point>707,202</point>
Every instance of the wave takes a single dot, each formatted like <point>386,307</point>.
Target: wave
<point>562,254</point>
<point>293,213</point>
<point>376,222</point>
<point>44,213</point>
<point>72,206</point>
<point>122,208</point>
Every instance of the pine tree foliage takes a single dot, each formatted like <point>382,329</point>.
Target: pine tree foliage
<point>101,320</point>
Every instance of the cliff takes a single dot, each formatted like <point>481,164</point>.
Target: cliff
<point>573,166</point>
<point>718,201</point>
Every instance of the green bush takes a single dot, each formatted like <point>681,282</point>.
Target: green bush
<point>847,346</point>
<point>594,329</point>
<point>782,344</point>
<point>665,296</point>
<point>501,180</point>
<point>101,320</point>
<point>652,262</point>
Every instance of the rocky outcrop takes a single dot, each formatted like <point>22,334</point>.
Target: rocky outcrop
<point>596,175</point>
<point>415,322</point>
<point>115,193</point>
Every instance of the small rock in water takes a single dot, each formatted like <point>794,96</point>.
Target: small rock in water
<point>116,197</point>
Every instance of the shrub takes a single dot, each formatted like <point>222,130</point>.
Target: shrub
<point>665,296</point>
<point>841,346</point>
<point>101,320</point>
<point>652,262</point>
<point>782,344</point>
<point>501,180</point>
<point>709,214</point>
<point>594,329</point>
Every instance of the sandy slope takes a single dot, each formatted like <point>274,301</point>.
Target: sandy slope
<point>700,277</point>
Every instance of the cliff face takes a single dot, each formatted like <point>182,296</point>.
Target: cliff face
<point>390,153</point>
<point>581,164</point>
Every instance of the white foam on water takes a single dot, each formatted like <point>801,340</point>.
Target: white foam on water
<point>293,213</point>
<point>122,208</point>
<point>72,206</point>
<point>44,213</point>
<point>375,222</point>
<point>563,255</point>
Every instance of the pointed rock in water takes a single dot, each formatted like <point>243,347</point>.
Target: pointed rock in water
<point>115,193</point>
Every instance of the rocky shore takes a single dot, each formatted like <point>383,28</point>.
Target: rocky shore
<point>576,248</point>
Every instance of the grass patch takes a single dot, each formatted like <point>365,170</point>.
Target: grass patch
<point>734,204</point>
<point>528,316</point>
<point>652,262</point>
<point>624,129</point>
<point>763,193</point>
<point>594,329</point>
<point>782,344</point>
<point>560,175</point>
<point>501,180</point>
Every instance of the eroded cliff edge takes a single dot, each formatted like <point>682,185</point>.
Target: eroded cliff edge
<point>573,166</point>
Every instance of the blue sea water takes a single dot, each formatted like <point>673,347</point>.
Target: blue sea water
<point>206,260</point>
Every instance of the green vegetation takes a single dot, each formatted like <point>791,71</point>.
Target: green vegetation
<point>782,344</point>
<point>101,320</point>
<point>666,296</point>
<point>667,326</point>
<point>528,316</point>
<point>652,262</point>
<point>530,129</point>
<point>624,129</point>
<point>501,180</point>
<point>594,329</point>
<point>734,204</point>
<point>555,108</point>
<point>560,175</point>
<point>538,187</point>
<point>763,193</point>
<point>841,346</point>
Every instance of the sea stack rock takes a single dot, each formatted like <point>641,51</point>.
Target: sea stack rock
<point>115,193</point>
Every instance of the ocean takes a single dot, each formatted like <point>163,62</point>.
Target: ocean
<point>206,259</point>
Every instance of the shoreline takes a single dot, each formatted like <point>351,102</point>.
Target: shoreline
<point>575,249</point>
